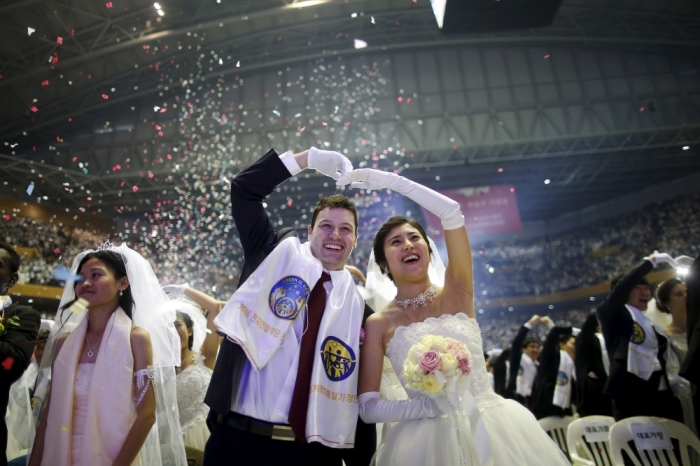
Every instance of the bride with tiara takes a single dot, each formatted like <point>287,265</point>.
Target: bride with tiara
<point>112,397</point>
<point>431,337</point>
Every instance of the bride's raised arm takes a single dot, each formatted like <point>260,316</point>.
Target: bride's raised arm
<point>459,279</point>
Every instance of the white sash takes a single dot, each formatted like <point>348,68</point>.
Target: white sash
<point>643,348</point>
<point>526,376</point>
<point>260,313</point>
<point>562,390</point>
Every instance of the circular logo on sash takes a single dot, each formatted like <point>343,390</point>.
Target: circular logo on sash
<point>520,371</point>
<point>638,335</point>
<point>562,379</point>
<point>288,297</point>
<point>338,359</point>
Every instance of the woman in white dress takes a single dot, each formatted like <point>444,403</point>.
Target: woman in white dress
<point>476,427</point>
<point>671,299</point>
<point>199,346</point>
<point>112,392</point>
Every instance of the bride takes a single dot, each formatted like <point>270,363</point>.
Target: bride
<point>454,420</point>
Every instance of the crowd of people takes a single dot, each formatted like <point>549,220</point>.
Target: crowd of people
<point>299,364</point>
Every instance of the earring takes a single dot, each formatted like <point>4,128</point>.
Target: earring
<point>121,292</point>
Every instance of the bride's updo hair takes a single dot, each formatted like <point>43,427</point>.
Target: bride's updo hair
<point>380,237</point>
<point>187,320</point>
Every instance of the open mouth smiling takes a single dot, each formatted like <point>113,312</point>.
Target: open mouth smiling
<point>410,258</point>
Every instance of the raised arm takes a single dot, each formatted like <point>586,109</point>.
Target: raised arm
<point>248,190</point>
<point>459,281</point>
<point>550,348</point>
<point>517,354</point>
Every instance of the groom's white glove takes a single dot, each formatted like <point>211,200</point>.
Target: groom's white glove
<point>328,162</point>
<point>373,409</point>
<point>684,261</point>
<point>447,209</point>
<point>175,291</point>
<point>660,257</point>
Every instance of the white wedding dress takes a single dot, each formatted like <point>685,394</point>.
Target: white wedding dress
<point>484,429</point>
<point>192,384</point>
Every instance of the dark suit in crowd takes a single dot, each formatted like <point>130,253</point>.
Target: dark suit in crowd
<point>258,238</point>
<point>631,395</point>
<point>590,372</point>
<point>500,375</point>
<point>546,378</point>
<point>516,355</point>
<point>17,342</point>
<point>691,364</point>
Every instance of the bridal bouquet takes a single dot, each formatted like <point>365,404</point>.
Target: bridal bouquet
<point>433,362</point>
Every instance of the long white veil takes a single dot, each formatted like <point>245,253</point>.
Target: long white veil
<point>164,444</point>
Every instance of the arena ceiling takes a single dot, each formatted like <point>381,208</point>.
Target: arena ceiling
<point>96,97</point>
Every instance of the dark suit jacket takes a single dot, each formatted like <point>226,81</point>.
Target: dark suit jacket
<point>499,372</point>
<point>590,372</point>
<point>258,238</point>
<point>516,355</point>
<point>616,325</point>
<point>691,365</point>
<point>546,378</point>
<point>16,347</point>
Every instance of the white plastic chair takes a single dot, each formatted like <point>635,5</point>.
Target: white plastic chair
<point>555,427</point>
<point>596,453</point>
<point>682,438</point>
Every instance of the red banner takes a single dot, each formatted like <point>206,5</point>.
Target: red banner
<point>487,210</point>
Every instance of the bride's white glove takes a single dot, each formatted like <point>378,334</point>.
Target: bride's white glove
<point>447,209</point>
<point>373,409</point>
<point>328,162</point>
<point>175,291</point>
<point>661,257</point>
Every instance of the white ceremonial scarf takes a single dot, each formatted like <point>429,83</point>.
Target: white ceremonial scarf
<point>526,376</point>
<point>562,390</point>
<point>643,349</point>
<point>260,314</point>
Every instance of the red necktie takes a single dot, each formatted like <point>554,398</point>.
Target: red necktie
<point>307,356</point>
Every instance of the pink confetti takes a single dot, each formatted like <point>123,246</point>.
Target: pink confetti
<point>55,60</point>
<point>59,40</point>
<point>109,4</point>
<point>8,363</point>
<point>135,188</point>
<point>72,32</point>
<point>34,109</point>
<point>105,96</point>
<point>399,99</point>
<point>45,82</point>
<point>546,56</point>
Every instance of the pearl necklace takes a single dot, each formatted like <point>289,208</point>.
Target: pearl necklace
<point>423,299</point>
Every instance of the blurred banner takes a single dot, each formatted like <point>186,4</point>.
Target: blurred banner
<point>487,210</point>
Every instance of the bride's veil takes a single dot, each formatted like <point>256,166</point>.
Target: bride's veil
<point>382,290</point>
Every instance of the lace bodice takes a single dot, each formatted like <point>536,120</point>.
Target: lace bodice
<point>460,327</point>
<point>680,345</point>
<point>81,388</point>
<point>192,385</point>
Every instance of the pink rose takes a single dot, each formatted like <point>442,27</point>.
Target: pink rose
<point>464,365</point>
<point>458,349</point>
<point>429,361</point>
<point>362,335</point>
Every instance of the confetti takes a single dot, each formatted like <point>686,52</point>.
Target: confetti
<point>59,40</point>
<point>108,4</point>
<point>30,31</point>
<point>30,188</point>
<point>8,363</point>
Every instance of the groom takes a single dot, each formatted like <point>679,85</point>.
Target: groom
<point>277,395</point>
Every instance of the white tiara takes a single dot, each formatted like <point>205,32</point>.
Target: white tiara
<point>107,246</point>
